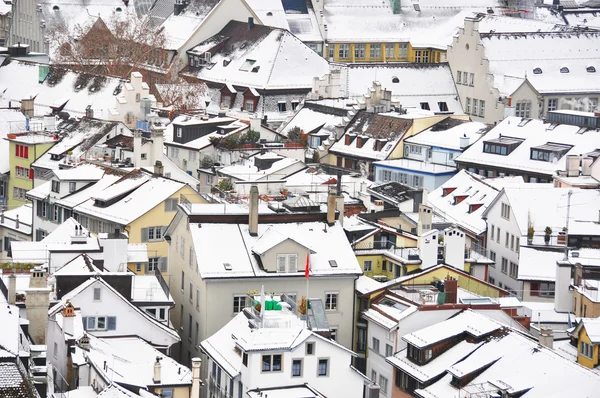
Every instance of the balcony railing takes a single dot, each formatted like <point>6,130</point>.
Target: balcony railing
<point>216,390</point>
<point>406,253</point>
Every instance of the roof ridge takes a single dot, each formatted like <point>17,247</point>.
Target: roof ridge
<point>283,33</point>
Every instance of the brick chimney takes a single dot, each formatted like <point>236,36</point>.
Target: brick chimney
<point>451,289</point>
<point>68,314</point>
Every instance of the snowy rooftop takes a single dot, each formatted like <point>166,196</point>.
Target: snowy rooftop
<point>538,264</point>
<point>247,171</point>
<point>232,127</point>
<point>130,360</point>
<point>309,120</point>
<point>80,265</point>
<point>592,328</point>
<point>208,238</point>
<point>147,288</point>
<point>179,29</point>
<point>303,24</point>
<point>534,133</point>
<point>263,58</point>
<point>467,322</point>
<point>417,83</point>
<point>24,214</point>
<point>416,165</point>
<point>83,172</point>
<point>82,195</point>
<point>20,80</point>
<point>303,391</point>
<point>9,334</point>
<point>449,135</point>
<point>478,192</point>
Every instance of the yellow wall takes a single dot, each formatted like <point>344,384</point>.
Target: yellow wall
<point>584,307</point>
<point>473,285</point>
<point>178,392</point>
<point>376,263</point>
<point>433,55</point>
<point>158,217</point>
<point>34,152</point>
<point>582,359</point>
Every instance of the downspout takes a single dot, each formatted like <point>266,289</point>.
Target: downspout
<point>355,321</point>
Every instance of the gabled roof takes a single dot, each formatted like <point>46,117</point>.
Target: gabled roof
<point>448,133</point>
<point>272,238</point>
<point>80,265</point>
<point>263,58</point>
<point>592,329</point>
<point>178,29</point>
<point>24,214</point>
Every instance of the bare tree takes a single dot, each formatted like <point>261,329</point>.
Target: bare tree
<point>115,47</point>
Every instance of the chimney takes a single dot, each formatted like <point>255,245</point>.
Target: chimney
<point>17,222</point>
<point>68,314</point>
<point>464,141</point>
<point>428,248</point>
<point>454,248</point>
<point>250,23</point>
<point>158,168</point>
<point>546,337</point>
<point>12,289</point>
<point>36,305</point>
<point>339,131</point>
<point>586,166</point>
<point>158,145</point>
<point>196,382</point>
<point>451,289</point>
<point>563,295</point>
<point>425,217</point>
<point>339,200</point>
<point>253,213</point>
<point>572,165</point>
<point>137,148</point>
<point>2,217</point>
<point>331,207</point>
<point>156,377</point>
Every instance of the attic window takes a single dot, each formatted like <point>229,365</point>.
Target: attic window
<point>425,106</point>
<point>447,191</point>
<point>591,69</point>
<point>564,69</point>
<point>459,198</point>
<point>537,71</point>
<point>247,65</point>
<point>269,14</point>
<point>255,69</point>
<point>119,9</point>
<point>395,79</point>
<point>474,207</point>
<point>443,106</point>
<point>333,263</point>
<point>227,266</point>
<point>56,8</point>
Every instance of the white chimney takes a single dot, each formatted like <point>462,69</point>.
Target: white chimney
<point>331,198</point>
<point>464,141</point>
<point>572,165</point>
<point>157,368</point>
<point>196,383</point>
<point>425,217</point>
<point>586,166</point>
<point>158,148</point>
<point>253,213</point>
<point>546,337</point>
<point>428,248</point>
<point>114,247</point>
<point>563,295</point>
<point>68,314</point>
<point>12,289</point>
<point>454,248</point>
<point>137,148</point>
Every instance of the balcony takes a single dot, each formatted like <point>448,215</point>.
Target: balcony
<point>402,254</point>
<point>217,391</point>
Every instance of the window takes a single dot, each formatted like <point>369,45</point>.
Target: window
<point>333,333</point>
<point>475,106</point>
<point>360,51</point>
<point>282,106</point>
<point>56,213</point>
<point>239,303</point>
<point>287,262</point>
<point>505,211</point>
<point>190,327</point>
<point>468,106</point>
<point>389,350</point>
<point>418,56</point>
<point>492,232</point>
<point>367,265</point>
<point>552,104</point>
<point>331,301</point>
<point>586,349</point>
<point>514,270</point>
<point>491,280</point>
<point>512,242</point>
<point>23,172</point>
<point>344,51</point>
<point>517,245</point>
<point>198,299</point>
<point>182,281</point>
<point>493,257</point>
<point>153,263</point>
<point>297,368</point>
<point>151,234</point>
<point>542,289</point>
<point>22,151</point>
<point>191,292</point>
<point>323,367</point>
<point>310,348</point>
<point>504,265</point>
<point>295,105</point>
<point>481,108</point>
<point>55,186</point>
<point>458,77</point>
<point>506,241</point>
<point>249,105</point>
<point>40,234</point>
<point>471,79</point>
<point>361,345</point>
<point>375,51</point>
<point>465,77</point>
<point>383,384</point>
<point>523,109</point>
<point>375,344</point>
<point>498,235</point>
<point>97,294</point>
<point>425,57</point>
<point>166,392</point>
<point>100,323</point>
<point>171,204</point>
<point>389,51</point>
<point>179,131</point>
<point>374,376</point>
<point>402,50</point>
<point>271,363</point>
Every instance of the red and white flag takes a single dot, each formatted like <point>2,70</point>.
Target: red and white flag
<point>307,268</point>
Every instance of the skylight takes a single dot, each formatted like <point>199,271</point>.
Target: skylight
<point>395,79</point>
<point>591,69</point>
<point>247,65</point>
<point>227,266</point>
<point>537,71</point>
<point>333,263</point>
<point>564,69</point>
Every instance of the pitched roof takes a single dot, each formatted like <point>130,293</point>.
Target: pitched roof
<point>538,265</point>
<point>24,214</point>
<point>592,329</point>
<point>448,133</point>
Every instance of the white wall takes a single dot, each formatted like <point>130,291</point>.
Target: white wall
<point>376,360</point>
<point>56,359</point>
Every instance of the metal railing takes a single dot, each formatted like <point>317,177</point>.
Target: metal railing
<point>216,390</point>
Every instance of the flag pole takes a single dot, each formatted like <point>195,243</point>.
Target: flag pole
<point>307,276</point>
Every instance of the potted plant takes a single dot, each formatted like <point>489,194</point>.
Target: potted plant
<point>302,306</point>
<point>547,233</point>
<point>530,232</point>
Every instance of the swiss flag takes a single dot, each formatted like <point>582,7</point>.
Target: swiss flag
<point>307,268</point>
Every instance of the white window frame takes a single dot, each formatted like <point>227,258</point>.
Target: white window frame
<point>333,301</point>
<point>288,261</point>
<point>241,303</point>
<point>368,265</point>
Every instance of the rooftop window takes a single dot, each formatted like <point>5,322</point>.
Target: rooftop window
<point>564,69</point>
<point>591,69</point>
<point>247,65</point>
<point>549,152</point>
<point>537,71</point>
<point>395,79</point>
<point>501,145</point>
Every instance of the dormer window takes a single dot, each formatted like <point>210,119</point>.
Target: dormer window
<point>395,79</point>
<point>287,262</point>
<point>474,207</point>
<point>459,198</point>
<point>502,145</point>
<point>591,69</point>
<point>55,186</point>
<point>564,69</point>
<point>72,187</point>
<point>447,191</point>
<point>537,71</point>
<point>549,152</point>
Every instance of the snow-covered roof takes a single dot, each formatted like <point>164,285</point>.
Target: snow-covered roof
<point>308,120</point>
<point>534,133</point>
<point>592,328</point>
<point>416,165</point>
<point>417,83</point>
<point>518,55</point>
<point>538,264</point>
<point>112,391</point>
<point>478,192</point>
<point>449,136</point>
<point>9,333</point>
<point>365,284</point>
<point>147,288</point>
<point>130,360</point>
<point>302,23</point>
<point>239,245</point>
<point>24,214</point>
<point>247,171</point>
<point>544,312</point>
<point>231,125</point>
<point>141,193</point>
<point>9,120</point>
<point>83,172</point>
<point>137,253</point>
<point>302,391</point>
<point>20,80</point>
<point>178,29</point>
<point>76,198</point>
<point>80,265</point>
<point>467,322</point>
<point>263,58</point>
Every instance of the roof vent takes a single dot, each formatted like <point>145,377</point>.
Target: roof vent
<point>395,79</point>
<point>537,71</point>
<point>591,69</point>
<point>564,69</point>
<point>227,266</point>
<point>333,263</point>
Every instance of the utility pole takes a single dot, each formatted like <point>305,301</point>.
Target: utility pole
<point>567,225</point>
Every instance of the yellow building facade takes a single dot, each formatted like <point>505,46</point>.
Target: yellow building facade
<point>24,149</point>
<point>382,52</point>
<point>587,350</point>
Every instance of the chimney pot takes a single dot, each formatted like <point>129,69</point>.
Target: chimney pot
<point>250,23</point>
